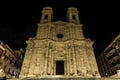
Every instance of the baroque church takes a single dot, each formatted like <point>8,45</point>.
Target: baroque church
<point>59,49</point>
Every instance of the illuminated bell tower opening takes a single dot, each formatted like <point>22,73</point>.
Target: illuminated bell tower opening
<point>59,48</point>
<point>72,15</point>
<point>46,15</point>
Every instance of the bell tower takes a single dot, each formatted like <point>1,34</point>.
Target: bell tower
<point>73,15</point>
<point>47,14</point>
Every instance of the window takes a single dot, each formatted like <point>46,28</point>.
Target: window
<point>46,16</point>
<point>21,56</point>
<point>5,68</point>
<point>8,70</point>
<point>73,17</point>
<point>59,36</point>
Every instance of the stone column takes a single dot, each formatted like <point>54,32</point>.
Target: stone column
<point>52,62</point>
<point>46,61</point>
<point>74,60</point>
<point>68,63</point>
<point>49,62</point>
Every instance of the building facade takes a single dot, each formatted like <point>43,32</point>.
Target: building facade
<point>8,61</point>
<point>109,59</point>
<point>59,48</point>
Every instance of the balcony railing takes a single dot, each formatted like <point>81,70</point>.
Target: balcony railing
<point>113,59</point>
<point>110,53</point>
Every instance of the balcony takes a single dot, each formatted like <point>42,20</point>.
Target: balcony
<point>113,59</point>
<point>115,67</point>
<point>110,52</point>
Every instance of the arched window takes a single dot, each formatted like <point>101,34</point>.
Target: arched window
<point>46,16</point>
<point>73,17</point>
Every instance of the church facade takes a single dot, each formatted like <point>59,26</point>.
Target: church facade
<point>59,48</point>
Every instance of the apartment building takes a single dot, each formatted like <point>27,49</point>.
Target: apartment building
<point>109,59</point>
<point>9,61</point>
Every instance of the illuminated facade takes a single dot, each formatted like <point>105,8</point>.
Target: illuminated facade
<point>59,48</point>
<point>8,61</point>
<point>109,59</point>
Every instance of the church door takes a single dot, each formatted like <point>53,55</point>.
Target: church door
<point>60,67</point>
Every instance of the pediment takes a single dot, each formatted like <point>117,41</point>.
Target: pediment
<point>60,23</point>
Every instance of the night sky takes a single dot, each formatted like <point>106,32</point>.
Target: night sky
<point>18,20</point>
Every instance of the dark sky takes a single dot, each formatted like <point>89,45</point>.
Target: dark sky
<point>18,20</point>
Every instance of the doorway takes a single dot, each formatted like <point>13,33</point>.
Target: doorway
<point>60,67</point>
